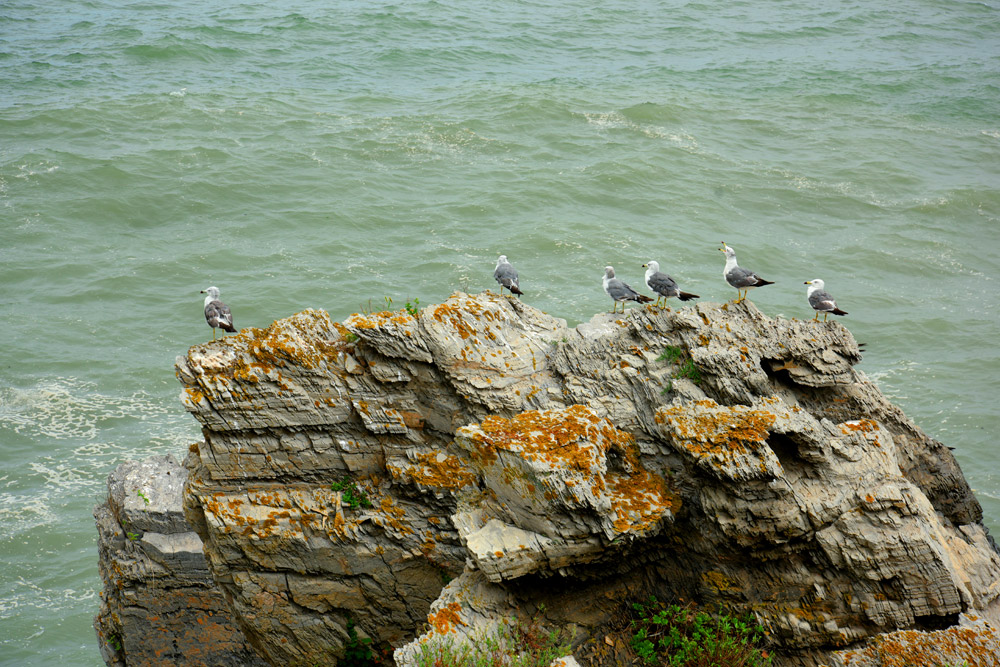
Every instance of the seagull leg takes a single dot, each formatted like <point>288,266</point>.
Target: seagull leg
<point>213,333</point>
<point>816,318</point>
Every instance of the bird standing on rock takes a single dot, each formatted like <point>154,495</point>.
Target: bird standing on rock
<point>506,276</point>
<point>217,313</point>
<point>820,300</point>
<point>663,285</point>
<point>742,279</point>
<point>620,291</point>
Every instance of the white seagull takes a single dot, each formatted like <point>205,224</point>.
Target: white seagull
<point>620,291</point>
<point>742,279</point>
<point>820,300</point>
<point>217,313</point>
<point>664,285</point>
<point>506,275</point>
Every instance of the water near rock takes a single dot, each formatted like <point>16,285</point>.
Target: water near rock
<point>480,459</point>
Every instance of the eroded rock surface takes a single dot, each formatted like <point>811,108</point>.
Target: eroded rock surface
<point>159,605</point>
<point>441,471</point>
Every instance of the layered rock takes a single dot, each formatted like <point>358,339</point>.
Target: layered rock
<point>480,459</point>
<point>159,604</point>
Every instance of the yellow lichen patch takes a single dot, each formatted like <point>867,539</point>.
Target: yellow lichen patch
<point>381,320</point>
<point>973,646</point>
<point>859,426</point>
<point>718,429</point>
<point>446,619</point>
<point>439,471</point>
<point>718,582</point>
<point>574,438</point>
<point>451,315</point>
<point>640,500</point>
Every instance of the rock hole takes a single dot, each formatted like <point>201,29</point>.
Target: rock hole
<point>786,449</point>
<point>936,621</point>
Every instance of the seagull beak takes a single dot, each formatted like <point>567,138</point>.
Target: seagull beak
<point>808,282</point>
<point>645,265</point>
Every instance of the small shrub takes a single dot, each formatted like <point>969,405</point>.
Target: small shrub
<point>350,493</point>
<point>675,636</point>
<point>413,308</point>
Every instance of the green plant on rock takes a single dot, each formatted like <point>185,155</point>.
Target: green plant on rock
<point>413,308</point>
<point>675,636</point>
<point>512,643</point>
<point>140,494</point>
<point>358,651</point>
<point>685,365</point>
<point>350,494</point>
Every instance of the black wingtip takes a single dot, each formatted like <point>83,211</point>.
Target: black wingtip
<point>687,296</point>
<point>644,299</point>
<point>838,311</point>
<point>763,282</point>
<point>517,291</point>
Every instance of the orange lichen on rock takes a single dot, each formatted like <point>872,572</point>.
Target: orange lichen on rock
<point>381,320</point>
<point>718,429</point>
<point>437,470</point>
<point>446,619</point>
<point>574,438</point>
<point>452,316</point>
<point>859,426</point>
<point>640,500</point>
<point>977,646</point>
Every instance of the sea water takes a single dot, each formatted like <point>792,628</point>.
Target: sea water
<point>338,155</point>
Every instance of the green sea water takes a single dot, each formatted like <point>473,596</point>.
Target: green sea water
<point>332,154</point>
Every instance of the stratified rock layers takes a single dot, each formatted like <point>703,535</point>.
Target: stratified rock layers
<point>159,605</point>
<point>350,471</point>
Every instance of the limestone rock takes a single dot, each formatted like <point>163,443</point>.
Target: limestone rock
<point>480,460</point>
<point>159,604</point>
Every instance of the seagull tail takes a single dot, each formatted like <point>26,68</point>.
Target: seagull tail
<point>687,296</point>
<point>642,298</point>
<point>231,329</point>
<point>838,311</point>
<point>516,290</point>
<point>761,282</point>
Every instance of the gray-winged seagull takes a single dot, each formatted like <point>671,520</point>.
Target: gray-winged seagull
<point>217,313</point>
<point>820,300</point>
<point>742,279</point>
<point>620,291</point>
<point>664,285</point>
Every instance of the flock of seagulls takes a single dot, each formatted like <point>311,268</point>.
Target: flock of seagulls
<point>218,316</point>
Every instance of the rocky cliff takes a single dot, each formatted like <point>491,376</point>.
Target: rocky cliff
<point>430,474</point>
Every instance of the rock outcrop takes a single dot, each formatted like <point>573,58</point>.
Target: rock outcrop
<point>159,605</point>
<point>430,474</point>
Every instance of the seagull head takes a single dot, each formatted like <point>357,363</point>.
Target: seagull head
<point>726,249</point>
<point>212,292</point>
<point>655,266</point>
<point>609,272</point>
<point>501,259</point>
<point>815,283</point>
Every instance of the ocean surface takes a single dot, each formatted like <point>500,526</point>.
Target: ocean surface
<point>338,154</point>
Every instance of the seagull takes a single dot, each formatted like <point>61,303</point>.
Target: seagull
<point>663,285</point>
<point>620,291</point>
<point>506,275</point>
<point>217,313</point>
<point>820,300</point>
<point>742,279</point>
